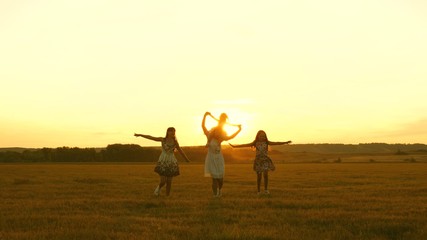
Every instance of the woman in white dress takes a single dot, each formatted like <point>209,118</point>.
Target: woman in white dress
<point>214,162</point>
<point>167,165</point>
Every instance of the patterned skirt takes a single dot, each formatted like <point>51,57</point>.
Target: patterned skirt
<point>263,163</point>
<point>167,165</point>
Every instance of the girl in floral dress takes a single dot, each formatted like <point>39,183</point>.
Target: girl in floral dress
<point>167,165</point>
<point>262,162</point>
<point>214,162</point>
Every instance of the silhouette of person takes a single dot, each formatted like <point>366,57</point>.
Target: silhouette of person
<point>262,162</point>
<point>167,165</point>
<point>214,162</point>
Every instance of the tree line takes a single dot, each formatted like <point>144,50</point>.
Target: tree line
<point>136,153</point>
<point>112,153</point>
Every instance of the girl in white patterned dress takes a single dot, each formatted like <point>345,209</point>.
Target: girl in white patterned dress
<point>214,162</point>
<point>167,165</point>
<point>262,162</point>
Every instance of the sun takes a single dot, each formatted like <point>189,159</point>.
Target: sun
<point>235,117</point>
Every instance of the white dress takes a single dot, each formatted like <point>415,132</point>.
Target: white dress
<point>214,162</point>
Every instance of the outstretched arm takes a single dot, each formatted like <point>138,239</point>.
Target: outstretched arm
<point>157,139</point>
<point>279,143</point>
<point>205,130</point>
<point>241,145</point>
<point>234,134</point>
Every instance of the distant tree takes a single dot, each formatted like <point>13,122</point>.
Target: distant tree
<point>130,153</point>
<point>10,156</point>
<point>66,154</point>
<point>32,156</point>
<point>47,154</point>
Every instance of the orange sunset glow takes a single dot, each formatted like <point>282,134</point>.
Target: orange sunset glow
<point>91,73</point>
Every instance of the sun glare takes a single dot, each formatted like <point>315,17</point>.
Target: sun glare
<point>236,116</point>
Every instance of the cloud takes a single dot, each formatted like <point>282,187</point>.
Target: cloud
<point>414,128</point>
<point>415,131</point>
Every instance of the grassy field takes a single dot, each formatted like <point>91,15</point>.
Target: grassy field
<point>307,201</point>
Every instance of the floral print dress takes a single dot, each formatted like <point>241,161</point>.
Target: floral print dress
<point>167,165</point>
<point>262,161</point>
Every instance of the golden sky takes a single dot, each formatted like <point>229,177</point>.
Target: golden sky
<point>91,73</point>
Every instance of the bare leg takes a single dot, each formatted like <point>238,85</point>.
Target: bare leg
<point>161,184</point>
<point>220,183</point>
<point>214,186</point>
<point>162,181</point>
<point>258,181</point>
<point>266,181</point>
<point>168,185</point>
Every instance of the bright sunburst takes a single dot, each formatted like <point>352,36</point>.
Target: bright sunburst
<point>235,116</point>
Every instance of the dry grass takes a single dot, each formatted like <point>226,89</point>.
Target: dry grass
<point>307,201</point>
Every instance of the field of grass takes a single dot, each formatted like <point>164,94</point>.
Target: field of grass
<point>307,201</point>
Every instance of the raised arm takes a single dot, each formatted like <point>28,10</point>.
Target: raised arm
<point>157,139</point>
<point>205,130</point>
<point>234,134</point>
<point>213,117</point>
<point>279,143</point>
<point>216,119</point>
<point>241,145</point>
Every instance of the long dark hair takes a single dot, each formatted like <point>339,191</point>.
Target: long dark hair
<point>257,137</point>
<point>174,137</point>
